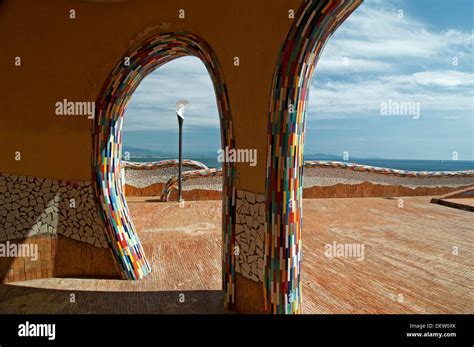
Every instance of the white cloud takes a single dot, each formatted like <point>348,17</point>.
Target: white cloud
<point>152,106</point>
<point>347,65</point>
<point>376,36</point>
<point>388,58</point>
<point>392,58</point>
<point>444,78</point>
<point>345,99</point>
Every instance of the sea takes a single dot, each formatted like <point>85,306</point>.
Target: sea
<point>400,164</point>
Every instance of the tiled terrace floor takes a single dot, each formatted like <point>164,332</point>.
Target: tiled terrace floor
<point>408,264</point>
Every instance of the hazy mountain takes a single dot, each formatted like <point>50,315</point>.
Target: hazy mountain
<point>136,152</point>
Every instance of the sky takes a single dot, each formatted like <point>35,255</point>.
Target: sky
<point>387,54</point>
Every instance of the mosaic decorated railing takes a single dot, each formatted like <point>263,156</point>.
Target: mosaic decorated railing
<point>188,175</point>
<point>385,171</point>
<point>162,164</point>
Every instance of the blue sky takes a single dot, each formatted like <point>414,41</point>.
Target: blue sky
<point>416,51</point>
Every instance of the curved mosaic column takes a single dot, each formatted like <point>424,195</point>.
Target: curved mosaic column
<point>315,22</point>
<point>107,143</point>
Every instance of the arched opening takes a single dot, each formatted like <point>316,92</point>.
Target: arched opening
<point>284,195</point>
<point>137,63</point>
<point>380,131</point>
<point>313,25</point>
<point>183,239</point>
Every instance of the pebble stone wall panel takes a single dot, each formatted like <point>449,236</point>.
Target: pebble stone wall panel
<point>145,57</point>
<point>31,206</point>
<point>250,235</point>
<point>313,25</point>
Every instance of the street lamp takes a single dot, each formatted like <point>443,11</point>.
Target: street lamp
<point>180,106</point>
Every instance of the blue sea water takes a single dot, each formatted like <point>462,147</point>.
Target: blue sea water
<point>417,165</point>
<point>400,164</point>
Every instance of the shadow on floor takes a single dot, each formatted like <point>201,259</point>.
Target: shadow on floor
<point>16,299</point>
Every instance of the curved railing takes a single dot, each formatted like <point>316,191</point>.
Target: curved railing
<point>162,164</point>
<point>385,171</point>
<point>203,171</point>
<point>188,175</point>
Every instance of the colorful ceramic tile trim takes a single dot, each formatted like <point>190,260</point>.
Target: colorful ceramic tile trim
<point>162,164</point>
<point>107,147</point>
<point>172,183</point>
<point>386,171</point>
<point>315,22</point>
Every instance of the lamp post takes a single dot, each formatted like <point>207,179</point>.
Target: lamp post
<point>180,106</point>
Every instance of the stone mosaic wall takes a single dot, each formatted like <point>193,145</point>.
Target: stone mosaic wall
<point>32,206</point>
<point>250,235</point>
<point>142,175</point>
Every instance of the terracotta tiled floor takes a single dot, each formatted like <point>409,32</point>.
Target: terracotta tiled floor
<point>408,264</point>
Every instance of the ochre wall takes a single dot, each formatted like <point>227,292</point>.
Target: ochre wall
<point>57,257</point>
<point>64,58</point>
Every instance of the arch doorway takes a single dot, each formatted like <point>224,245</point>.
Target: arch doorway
<point>115,94</point>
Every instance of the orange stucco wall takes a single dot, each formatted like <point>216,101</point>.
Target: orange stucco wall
<point>64,58</point>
